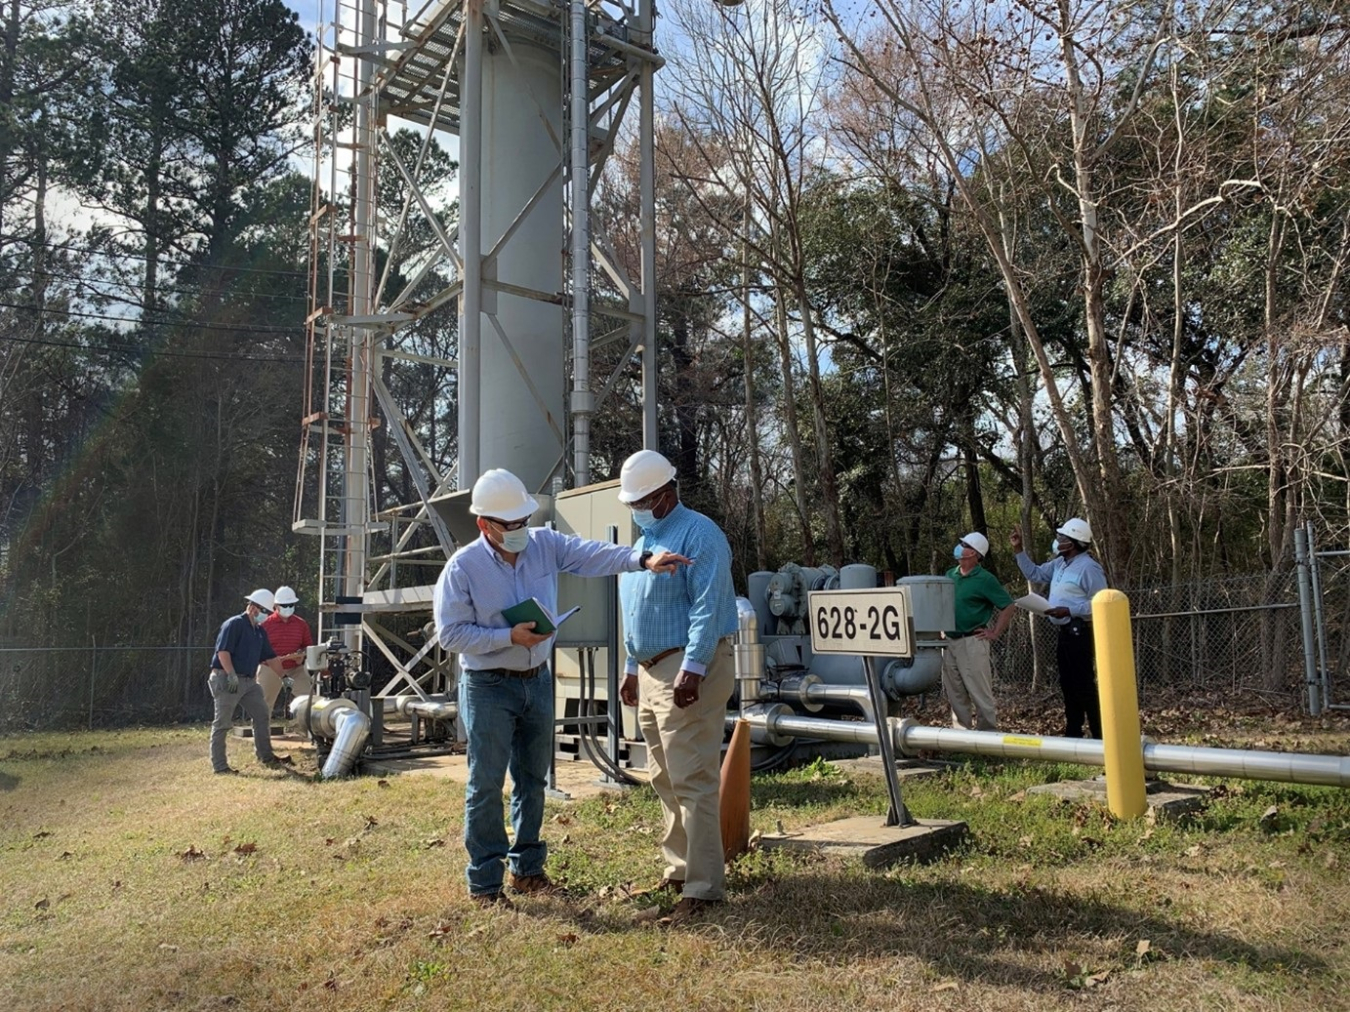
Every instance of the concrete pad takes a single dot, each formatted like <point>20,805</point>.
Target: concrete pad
<point>877,845</point>
<point>1166,800</point>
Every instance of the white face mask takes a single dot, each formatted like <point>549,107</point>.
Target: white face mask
<point>515,541</point>
<point>286,610</point>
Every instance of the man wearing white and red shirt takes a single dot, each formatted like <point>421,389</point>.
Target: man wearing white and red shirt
<point>289,635</point>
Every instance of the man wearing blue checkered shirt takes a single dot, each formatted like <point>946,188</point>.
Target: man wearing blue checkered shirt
<point>506,695</point>
<point>680,673</point>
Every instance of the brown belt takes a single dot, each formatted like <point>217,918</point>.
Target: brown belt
<point>654,661</point>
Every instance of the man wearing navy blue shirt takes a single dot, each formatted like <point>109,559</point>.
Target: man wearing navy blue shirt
<point>680,674</point>
<point>241,646</point>
<point>506,694</point>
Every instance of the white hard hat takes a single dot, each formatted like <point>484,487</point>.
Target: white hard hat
<point>262,597</point>
<point>1077,530</point>
<point>500,494</point>
<point>643,473</point>
<point>285,595</point>
<point>978,542</point>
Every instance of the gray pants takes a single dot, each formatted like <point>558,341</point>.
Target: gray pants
<point>250,697</point>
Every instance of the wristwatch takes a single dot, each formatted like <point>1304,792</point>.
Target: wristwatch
<point>644,558</point>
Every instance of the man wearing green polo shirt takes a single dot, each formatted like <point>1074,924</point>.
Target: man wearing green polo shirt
<point>965,663</point>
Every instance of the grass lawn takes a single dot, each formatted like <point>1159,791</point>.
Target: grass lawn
<point>135,880</point>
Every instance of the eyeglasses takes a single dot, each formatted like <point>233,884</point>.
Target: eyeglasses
<point>507,525</point>
<point>649,501</point>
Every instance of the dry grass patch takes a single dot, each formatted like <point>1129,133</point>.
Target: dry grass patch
<point>136,880</point>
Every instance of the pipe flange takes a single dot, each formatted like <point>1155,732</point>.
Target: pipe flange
<point>798,689</point>
<point>762,717</point>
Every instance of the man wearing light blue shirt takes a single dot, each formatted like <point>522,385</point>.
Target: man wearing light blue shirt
<point>1074,577</point>
<point>506,694</point>
<point>680,674</point>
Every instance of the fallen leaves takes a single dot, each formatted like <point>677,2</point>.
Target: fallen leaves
<point>245,849</point>
<point>193,854</point>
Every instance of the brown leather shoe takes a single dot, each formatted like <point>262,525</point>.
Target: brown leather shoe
<point>687,910</point>
<point>540,883</point>
<point>490,900</point>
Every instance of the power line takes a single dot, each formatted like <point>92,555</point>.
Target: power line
<point>137,256</point>
<point>130,349</point>
<point>130,286</point>
<point>222,327</point>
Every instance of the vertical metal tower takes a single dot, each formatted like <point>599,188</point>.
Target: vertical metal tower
<point>533,95</point>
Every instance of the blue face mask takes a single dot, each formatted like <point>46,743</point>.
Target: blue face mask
<point>515,541</point>
<point>958,551</point>
<point>644,518</point>
<point>259,617</point>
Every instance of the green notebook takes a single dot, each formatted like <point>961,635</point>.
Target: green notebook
<point>530,610</point>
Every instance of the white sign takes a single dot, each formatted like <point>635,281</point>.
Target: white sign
<point>875,622</point>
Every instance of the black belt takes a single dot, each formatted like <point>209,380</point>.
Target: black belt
<point>509,672</point>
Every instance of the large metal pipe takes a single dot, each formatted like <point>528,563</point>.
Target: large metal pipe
<point>909,678</point>
<point>1286,767</point>
<point>583,402</point>
<point>1303,566</point>
<point>340,721</point>
<point>776,723</point>
<point>749,653</point>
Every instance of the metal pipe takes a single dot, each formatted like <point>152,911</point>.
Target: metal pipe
<point>341,721</point>
<point>777,723</point>
<point>1319,619</point>
<point>1287,767</point>
<point>430,710</point>
<point>647,227</point>
<point>353,730</point>
<point>749,653</point>
<point>909,678</point>
<point>856,695</point>
<point>583,401</point>
<point>471,245</point>
<point>1306,615</point>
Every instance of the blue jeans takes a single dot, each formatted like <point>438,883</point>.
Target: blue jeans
<point>509,722</point>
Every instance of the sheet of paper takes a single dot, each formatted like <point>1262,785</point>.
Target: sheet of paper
<point>1034,603</point>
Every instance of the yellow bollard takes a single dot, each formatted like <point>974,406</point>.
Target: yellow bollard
<point>1121,744</point>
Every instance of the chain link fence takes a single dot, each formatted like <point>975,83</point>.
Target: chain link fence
<point>102,686</point>
<point>1230,634</point>
<point>1227,634</point>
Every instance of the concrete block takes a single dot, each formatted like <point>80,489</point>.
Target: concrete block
<point>876,845</point>
<point>1166,800</point>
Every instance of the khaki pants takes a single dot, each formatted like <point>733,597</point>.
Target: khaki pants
<point>684,749</point>
<point>270,682</point>
<point>968,682</point>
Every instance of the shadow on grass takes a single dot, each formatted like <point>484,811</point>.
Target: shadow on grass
<point>8,781</point>
<point>977,934</point>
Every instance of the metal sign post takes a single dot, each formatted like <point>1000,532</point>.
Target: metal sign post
<point>869,624</point>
